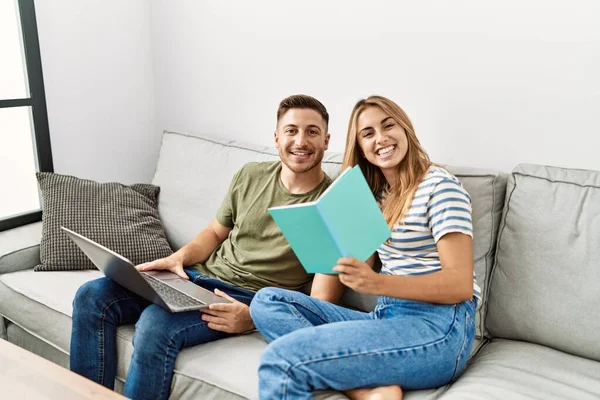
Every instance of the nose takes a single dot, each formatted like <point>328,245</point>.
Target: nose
<point>380,137</point>
<point>301,139</point>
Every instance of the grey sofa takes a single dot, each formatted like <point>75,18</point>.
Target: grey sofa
<point>537,257</point>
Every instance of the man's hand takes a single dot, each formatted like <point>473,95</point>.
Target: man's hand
<point>358,275</point>
<point>231,317</point>
<point>169,263</point>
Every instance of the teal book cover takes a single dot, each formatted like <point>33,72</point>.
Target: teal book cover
<point>344,222</point>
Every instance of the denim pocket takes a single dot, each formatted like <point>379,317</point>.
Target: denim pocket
<point>467,342</point>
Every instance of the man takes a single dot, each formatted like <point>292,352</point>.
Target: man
<point>242,230</point>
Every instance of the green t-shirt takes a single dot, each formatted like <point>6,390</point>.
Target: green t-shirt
<point>256,254</point>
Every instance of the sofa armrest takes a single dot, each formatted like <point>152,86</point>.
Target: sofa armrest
<point>19,260</point>
<point>19,248</point>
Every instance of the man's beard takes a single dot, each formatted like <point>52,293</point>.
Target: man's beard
<point>304,167</point>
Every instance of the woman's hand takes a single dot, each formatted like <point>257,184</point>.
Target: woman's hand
<point>358,275</point>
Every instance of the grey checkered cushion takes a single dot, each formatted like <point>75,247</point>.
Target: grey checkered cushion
<point>123,218</point>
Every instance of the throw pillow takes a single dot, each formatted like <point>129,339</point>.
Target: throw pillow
<point>122,218</point>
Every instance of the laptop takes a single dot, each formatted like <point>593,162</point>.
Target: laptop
<point>163,288</point>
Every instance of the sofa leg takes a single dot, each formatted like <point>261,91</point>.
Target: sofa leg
<point>2,327</point>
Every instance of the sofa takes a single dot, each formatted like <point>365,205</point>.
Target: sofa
<point>537,259</point>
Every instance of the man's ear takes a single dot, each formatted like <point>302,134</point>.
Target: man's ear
<point>327,137</point>
<point>275,137</point>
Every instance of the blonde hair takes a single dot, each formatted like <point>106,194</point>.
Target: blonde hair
<point>397,198</point>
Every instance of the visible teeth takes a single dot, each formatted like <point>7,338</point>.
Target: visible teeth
<point>385,150</point>
<point>299,154</point>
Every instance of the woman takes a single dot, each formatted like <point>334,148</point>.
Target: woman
<point>421,332</point>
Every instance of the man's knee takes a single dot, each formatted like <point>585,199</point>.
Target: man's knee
<point>152,329</point>
<point>89,294</point>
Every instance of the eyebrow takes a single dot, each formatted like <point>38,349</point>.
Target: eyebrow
<point>295,126</point>
<point>381,123</point>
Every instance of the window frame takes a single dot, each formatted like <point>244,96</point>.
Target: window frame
<point>37,102</point>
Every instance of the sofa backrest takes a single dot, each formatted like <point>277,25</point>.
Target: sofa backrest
<point>194,173</point>
<point>544,285</point>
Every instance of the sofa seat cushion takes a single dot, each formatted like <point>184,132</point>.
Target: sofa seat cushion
<point>233,370</point>
<point>41,302</point>
<point>506,369</point>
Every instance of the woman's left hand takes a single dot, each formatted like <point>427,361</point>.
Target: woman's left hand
<point>358,275</point>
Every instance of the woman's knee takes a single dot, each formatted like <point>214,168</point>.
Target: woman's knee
<point>271,297</point>
<point>266,301</point>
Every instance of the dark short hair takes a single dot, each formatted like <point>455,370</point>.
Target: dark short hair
<point>302,101</point>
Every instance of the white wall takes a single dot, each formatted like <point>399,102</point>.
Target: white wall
<point>97,64</point>
<point>487,84</point>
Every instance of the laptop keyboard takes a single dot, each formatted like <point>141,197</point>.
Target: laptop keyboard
<point>171,296</point>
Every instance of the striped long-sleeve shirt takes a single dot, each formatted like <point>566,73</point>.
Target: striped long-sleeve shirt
<point>440,206</point>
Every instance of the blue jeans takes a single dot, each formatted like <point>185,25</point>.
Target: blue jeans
<point>317,345</point>
<point>102,305</point>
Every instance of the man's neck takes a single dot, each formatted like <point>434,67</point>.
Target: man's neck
<point>304,182</point>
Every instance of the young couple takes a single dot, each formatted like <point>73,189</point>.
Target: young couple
<point>421,331</point>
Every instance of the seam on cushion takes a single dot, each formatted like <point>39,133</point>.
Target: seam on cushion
<point>43,305</point>
<point>484,342</point>
<point>482,175</point>
<point>162,139</point>
<point>178,372</point>
<point>555,181</point>
<point>500,232</point>
<point>37,336</point>
<point>52,309</point>
<point>235,146</point>
<point>482,309</point>
<point>37,301</point>
<point>484,294</point>
<point>122,379</point>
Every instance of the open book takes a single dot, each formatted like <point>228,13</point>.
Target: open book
<point>344,222</point>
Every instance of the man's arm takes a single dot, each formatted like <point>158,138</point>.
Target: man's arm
<point>203,245</point>
<point>196,251</point>
<point>327,288</point>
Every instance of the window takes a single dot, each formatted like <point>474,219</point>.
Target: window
<point>24,134</point>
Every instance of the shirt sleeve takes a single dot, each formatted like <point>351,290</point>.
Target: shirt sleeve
<point>226,214</point>
<point>449,209</point>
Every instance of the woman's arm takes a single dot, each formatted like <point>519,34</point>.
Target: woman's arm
<point>453,284</point>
